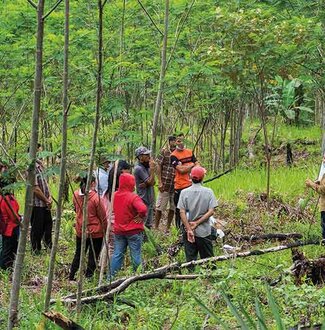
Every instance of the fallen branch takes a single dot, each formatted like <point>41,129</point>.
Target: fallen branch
<point>62,321</point>
<point>279,236</point>
<point>248,253</point>
<point>162,273</point>
<point>116,283</point>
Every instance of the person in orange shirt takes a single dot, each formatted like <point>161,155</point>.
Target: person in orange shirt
<point>183,161</point>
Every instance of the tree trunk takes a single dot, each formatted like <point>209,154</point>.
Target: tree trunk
<point>63,158</point>
<point>93,150</point>
<point>16,279</point>
<point>161,81</point>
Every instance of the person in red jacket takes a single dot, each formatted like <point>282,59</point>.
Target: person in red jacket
<point>96,227</point>
<point>130,212</point>
<point>9,223</point>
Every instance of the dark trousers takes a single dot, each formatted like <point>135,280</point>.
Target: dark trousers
<point>9,249</point>
<point>93,247</point>
<point>322,214</point>
<point>178,221</point>
<point>202,246</point>
<point>41,222</point>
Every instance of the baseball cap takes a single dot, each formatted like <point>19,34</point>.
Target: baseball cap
<point>142,151</point>
<point>198,172</point>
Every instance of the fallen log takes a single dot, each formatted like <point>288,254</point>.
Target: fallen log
<point>62,321</point>
<point>279,236</point>
<point>162,272</point>
<point>248,253</point>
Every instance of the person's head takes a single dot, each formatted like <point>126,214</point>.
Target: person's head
<point>124,166</point>
<point>83,183</point>
<point>172,142</point>
<point>143,155</point>
<point>197,174</point>
<point>180,142</point>
<point>104,162</point>
<point>126,182</point>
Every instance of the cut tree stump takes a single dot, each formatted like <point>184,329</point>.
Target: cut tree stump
<point>303,268</point>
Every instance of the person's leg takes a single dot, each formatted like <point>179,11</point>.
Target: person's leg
<point>93,255</point>
<point>48,223</point>
<point>36,232</point>
<point>9,250</point>
<point>120,244</point>
<point>205,247</point>
<point>158,212</point>
<point>322,214</point>
<point>76,259</point>
<point>149,219</point>
<point>191,251</point>
<point>135,243</point>
<point>177,214</point>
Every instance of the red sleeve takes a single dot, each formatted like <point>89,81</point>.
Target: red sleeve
<point>139,206</point>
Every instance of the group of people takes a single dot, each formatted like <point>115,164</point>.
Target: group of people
<point>114,206</point>
<point>180,194</point>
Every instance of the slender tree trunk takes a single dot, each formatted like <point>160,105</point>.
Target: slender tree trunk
<point>16,279</point>
<point>63,158</point>
<point>92,156</point>
<point>161,81</point>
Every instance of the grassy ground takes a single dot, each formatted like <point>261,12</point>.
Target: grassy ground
<point>166,304</point>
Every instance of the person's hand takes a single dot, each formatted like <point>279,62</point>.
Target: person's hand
<point>49,202</point>
<point>160,187</point>
<point>193,225</point>
<point>143,185</point>
<point>309,183</point>
<point>138,219</point>
<point>152,164</point>
<point>190,236</point>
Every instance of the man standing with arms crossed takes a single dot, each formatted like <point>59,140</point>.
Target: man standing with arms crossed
<point>196,205</point>
<point>144,173</point>
<point>165,175</point>
<point>183,160</point>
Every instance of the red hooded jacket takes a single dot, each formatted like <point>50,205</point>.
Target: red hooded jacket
<point>8,219</point>
<point>127,206</point>
<point>97,222</point>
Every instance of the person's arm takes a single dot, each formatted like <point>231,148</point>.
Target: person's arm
<point>40,195</point>
<point>319,187</point>
<point>202,219</point>
<point>150,180</point>
<point>188,228</point>
<point>183,169</point>
<point>140,208</point>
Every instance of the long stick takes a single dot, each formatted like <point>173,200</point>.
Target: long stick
<point>105,250</point>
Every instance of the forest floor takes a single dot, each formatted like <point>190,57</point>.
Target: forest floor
<point>212,299</point>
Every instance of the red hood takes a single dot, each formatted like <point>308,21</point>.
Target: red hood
<point>126,182</point>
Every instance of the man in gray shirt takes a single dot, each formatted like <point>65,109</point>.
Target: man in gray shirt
<point>196,205</point>
<point>144,173</point>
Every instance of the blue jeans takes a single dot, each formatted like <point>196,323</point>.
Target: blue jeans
<point>120,244</point>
